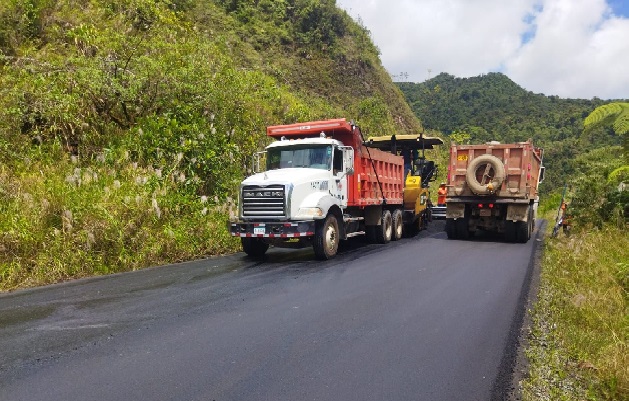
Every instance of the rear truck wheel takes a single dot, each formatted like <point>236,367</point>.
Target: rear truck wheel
<point>510,231</point>
<point>370,234</point>
<point>485,174</point>
<point>462,228</point>
<point>525,228</point>
<point>385,230</point>
<point>254,247</point>
<point>326,240</point>
<point>398,225</point>
<point>523,232</point>
<point>451,228</point>
<point>531,221</point>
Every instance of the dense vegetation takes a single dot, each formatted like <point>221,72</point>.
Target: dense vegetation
<point>577,347</point>
<point>492,107</point>
<point>125,127</point>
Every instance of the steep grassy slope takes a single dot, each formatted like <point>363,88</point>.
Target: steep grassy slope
<point>125,127</point>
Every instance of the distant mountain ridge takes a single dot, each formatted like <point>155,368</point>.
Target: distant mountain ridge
<point>496,104</point>
<point>493,107</point>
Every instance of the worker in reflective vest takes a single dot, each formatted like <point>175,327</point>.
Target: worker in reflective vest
<point>566,219</point>
<point>441,194</point>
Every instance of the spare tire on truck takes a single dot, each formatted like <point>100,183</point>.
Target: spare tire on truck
<point>485,174</point>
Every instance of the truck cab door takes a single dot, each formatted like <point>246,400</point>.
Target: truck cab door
<point>342,163</point>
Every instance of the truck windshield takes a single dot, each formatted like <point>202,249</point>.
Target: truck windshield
<point>313,156</point>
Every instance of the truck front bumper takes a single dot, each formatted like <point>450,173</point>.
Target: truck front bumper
<point>293,229</point>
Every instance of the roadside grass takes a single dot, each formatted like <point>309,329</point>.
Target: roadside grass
<point>578,342</point>
<point>66,221</point>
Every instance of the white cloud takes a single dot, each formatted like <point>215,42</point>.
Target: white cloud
<point>570,48</point>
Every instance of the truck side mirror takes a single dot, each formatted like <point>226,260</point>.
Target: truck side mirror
<point>348,159</point>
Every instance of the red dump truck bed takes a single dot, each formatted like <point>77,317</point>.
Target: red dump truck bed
<point>378,175</point>
<point>506,172</point>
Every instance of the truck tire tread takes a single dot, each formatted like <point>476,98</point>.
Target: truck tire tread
<point>326,240</point>
<point>451,228</point>
<point>385,229</point>
<point>523,232</point>
<point>462,229</point>
<point>510,231</point>
<point>398,225</point>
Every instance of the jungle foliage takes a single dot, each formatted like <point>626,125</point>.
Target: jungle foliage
<point>493,107</point>
<point>125,127</point>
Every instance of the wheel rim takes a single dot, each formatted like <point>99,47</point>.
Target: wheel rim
<point>398,228</point>
<point>387,228</point>
<point>330,238</point>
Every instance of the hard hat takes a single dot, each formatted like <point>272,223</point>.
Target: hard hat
<point>442,184</point>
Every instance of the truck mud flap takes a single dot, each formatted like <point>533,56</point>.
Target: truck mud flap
<point>455,210</point>
<point>517,213</point>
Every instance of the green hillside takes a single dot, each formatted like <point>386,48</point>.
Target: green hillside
<point>125,127</point>
<point>492,107</point>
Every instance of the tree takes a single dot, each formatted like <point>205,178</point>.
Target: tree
<point>615,114</point>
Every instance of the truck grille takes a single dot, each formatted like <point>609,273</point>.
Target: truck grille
<point>258,201</point>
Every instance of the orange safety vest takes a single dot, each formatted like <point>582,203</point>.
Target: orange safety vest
<point>441,198</point>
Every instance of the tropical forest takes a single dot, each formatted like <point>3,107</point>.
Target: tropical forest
<point>127,127</point>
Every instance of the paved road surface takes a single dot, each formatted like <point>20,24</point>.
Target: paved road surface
<point>424,318</point>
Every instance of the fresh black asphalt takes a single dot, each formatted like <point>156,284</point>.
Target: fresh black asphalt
<point>424,318</point>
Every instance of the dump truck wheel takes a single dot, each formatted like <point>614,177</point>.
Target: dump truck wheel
<point>451,228</point>
<point>385,230</point>
<point>531,222</point>
<point>484,165</point>
<point>398,225</point>
<point>370,234</point>
<point>254,247</point>
<point>510,231</point>
<point>524,228</point>
<point>462,228</point>
<point>522,231</point>
<point>326,240</point>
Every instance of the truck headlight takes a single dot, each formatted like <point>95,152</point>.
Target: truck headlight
<point>309,212</point>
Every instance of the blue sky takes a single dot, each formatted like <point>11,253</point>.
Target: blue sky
<point>620,7</point>
<point>569,48</point>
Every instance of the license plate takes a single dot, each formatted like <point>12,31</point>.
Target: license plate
<point>258,230</point>
<point>485,212</point>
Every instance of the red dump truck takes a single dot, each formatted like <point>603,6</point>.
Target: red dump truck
<point>320,185</point>
<point>493,187</point>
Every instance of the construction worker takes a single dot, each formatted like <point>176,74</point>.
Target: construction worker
<point>566,219</point>
<point>441,194</point>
